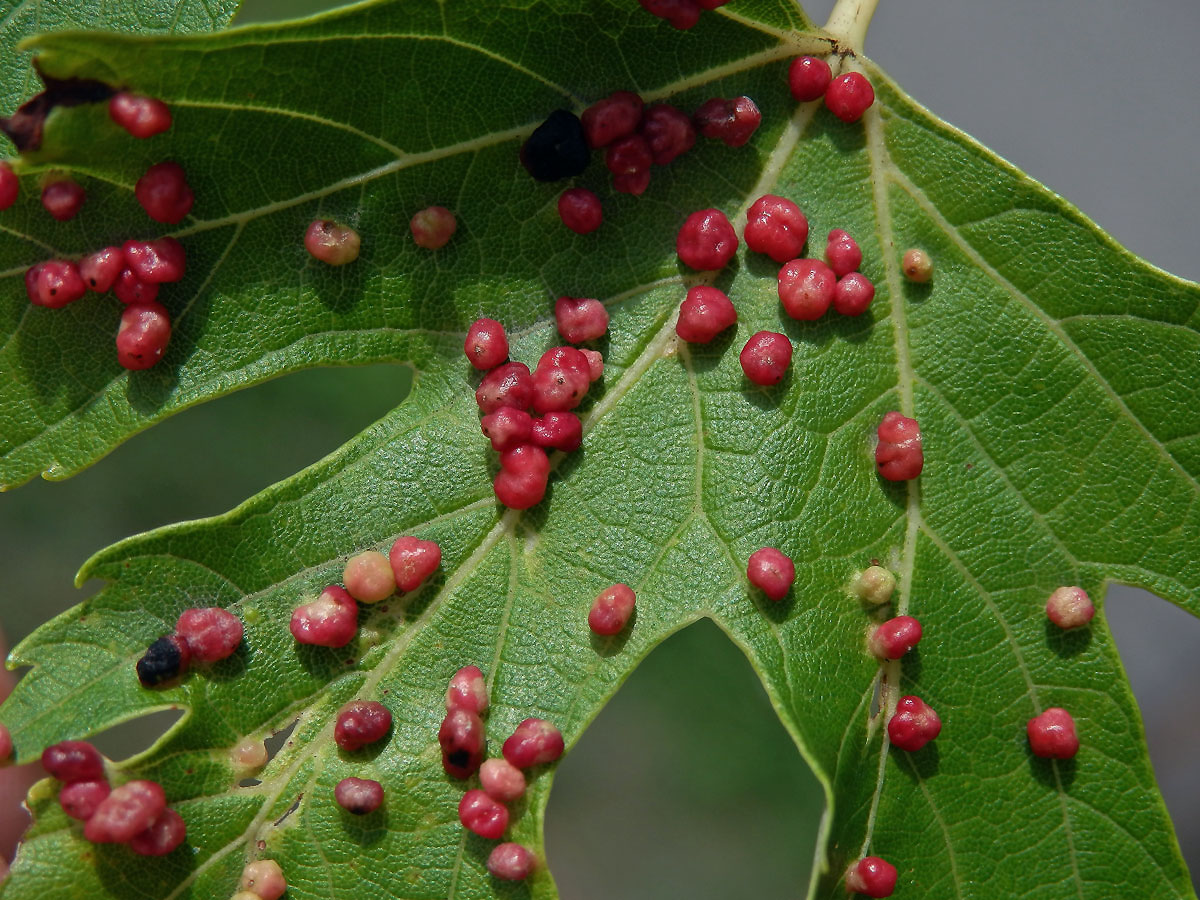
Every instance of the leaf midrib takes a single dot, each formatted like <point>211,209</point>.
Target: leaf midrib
<point>884,171</point>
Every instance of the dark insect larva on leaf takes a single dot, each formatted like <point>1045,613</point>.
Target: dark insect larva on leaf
<point>167,658</point>
<point>557,149</point>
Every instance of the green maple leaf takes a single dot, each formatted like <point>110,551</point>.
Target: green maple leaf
<point>1043,363</point>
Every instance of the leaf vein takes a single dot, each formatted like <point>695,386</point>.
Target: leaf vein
<point>294,114</point>
<point>1000,470</point>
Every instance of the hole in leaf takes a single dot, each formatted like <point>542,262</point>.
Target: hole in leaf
<point>1157,642</point>
<point>137,735</point>
<point>688,779</point>
<point>276,741</point>
<point>291,809</point>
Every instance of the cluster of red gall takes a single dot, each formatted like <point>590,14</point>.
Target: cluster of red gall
<point>556,386</point>
<point>133,271</point>
<point>336,244</point>
<point>848,96</point>
<point>807,288</point>
<point>135,813</point>
<point>1052,733</point>
<point>359,724</point>
<point>914,723</point>
<point>634,137</point>
<point>331,620</point>
<point>463,738</point>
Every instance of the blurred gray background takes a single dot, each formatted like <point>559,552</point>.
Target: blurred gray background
<point>686,785</point>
